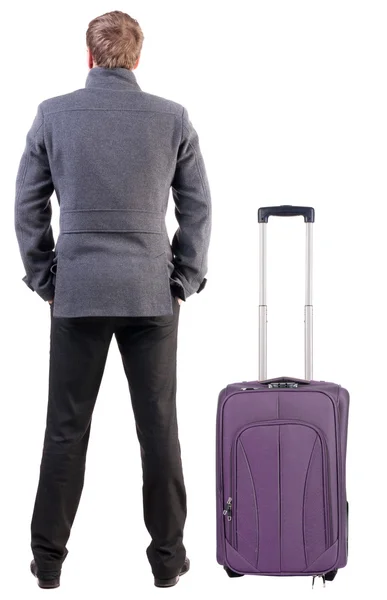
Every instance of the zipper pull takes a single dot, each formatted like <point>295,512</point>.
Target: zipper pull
<point>228,510</point>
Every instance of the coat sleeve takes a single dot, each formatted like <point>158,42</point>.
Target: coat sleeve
<point>191,194</point>
<point>33,211</point>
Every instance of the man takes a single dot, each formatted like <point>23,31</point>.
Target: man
<point>111,153</point>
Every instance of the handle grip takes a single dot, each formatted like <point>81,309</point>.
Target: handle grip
<point>285,211</point>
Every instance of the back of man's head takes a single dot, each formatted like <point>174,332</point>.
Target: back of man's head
<point>114,40</point>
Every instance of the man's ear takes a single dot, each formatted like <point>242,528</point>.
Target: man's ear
<point>136,63</point>
<point>90,59</point>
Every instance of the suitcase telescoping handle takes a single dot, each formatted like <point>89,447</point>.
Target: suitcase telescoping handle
<point>263,217</point>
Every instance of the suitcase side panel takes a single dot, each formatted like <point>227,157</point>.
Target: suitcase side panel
<point>219,489</point>
<point>343,414</point>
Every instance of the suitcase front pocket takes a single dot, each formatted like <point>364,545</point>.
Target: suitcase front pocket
<point>280,519</point>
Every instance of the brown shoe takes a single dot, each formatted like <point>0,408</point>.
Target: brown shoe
<point>173,580</point>
<point>53,582</point>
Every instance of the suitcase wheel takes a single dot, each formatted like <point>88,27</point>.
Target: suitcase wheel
<point>330,575</point>
<point>232,573</point>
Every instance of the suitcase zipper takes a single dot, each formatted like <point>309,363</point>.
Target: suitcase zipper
<point>228,510</point>
<point>228,513</point>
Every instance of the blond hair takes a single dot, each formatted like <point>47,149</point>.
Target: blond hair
<point>115,40</point>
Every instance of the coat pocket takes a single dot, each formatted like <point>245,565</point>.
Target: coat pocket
<point>53,269</point>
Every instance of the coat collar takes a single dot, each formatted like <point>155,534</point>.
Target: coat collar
<point>117,78</point>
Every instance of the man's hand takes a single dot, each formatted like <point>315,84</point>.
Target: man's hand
<point>180,301</point>
<point>50,301</point>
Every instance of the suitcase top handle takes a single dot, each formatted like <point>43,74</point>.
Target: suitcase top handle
<point>286,211</point>
<point>281,381</point>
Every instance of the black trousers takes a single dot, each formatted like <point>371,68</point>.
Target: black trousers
<point>78,352</point>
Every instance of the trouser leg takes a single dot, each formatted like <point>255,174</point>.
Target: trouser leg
<point>148,348</point>
<point>78,352</point>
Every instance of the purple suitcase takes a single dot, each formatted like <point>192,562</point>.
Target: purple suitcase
<point>280,459</point>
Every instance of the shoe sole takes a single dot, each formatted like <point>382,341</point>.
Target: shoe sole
<point>48,587</point>
<point>168,585</point>
<point>172,584</point>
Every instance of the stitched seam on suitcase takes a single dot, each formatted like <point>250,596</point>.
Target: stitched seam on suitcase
<point>244,558</point>
<point>303,503</point>
<point>279,499</point>
<point>255,501</point>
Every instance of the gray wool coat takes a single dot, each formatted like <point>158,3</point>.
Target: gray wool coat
<point>112,153</point>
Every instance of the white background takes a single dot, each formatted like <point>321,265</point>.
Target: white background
<point>289,100</point>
